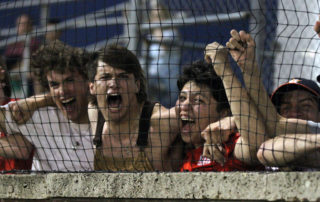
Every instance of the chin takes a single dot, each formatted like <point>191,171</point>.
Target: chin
<point>115,117</point>
<point>186,137</point>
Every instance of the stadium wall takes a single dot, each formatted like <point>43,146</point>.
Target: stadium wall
<point>251,186</point>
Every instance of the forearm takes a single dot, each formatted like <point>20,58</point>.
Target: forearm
<point>15,146</point>
<point>260,96</point>
<point>22,110</point>
<point>286,149</point>
<point>276,124</point>
<point>39,101</point>
<point>246,115</point>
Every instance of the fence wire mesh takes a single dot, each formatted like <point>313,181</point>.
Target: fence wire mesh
<point>161,85</point>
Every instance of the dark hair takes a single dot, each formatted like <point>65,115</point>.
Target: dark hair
<point>202,73</point>
<point>6,80</point>
<point>121,58</point>
<point>59,57</point>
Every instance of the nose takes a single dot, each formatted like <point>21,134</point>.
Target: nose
<point>61,91</point>
<point>112,83</point>
<point>293,113</point>
<point>185,105</point>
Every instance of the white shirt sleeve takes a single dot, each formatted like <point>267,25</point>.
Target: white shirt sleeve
<point>314,127</point>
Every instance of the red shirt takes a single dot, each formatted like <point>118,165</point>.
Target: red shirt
<point>16,49</point>
<point>15,164</point>
<point>196,162</point>
<point>14,52</point>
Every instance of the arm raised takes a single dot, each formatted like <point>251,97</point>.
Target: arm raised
<point>242,50</point>
<point>248,120</point>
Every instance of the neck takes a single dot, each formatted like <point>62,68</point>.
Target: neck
<point>84,119</point>
<point>197,145</point>
<point>127,124</point>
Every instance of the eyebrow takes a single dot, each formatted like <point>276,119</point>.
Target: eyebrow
<point>312,99</point>
<point>195,93</point>
<point>123,73</point>
<point>117,74</point>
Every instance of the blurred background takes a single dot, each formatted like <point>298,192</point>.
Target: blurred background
<point>164,34</point>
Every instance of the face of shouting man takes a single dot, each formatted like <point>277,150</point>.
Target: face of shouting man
<point>116,91</point>
<point>69,91</point>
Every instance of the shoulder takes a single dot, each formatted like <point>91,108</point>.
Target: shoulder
<point>49,110</point>
<point>158,109</point>
<point>49,113</point>
<point>163,113</point>
<point>165,118</point>
<point>160,114</point>
<point>92,112</point>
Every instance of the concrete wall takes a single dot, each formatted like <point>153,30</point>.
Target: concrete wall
<point>224,186</point>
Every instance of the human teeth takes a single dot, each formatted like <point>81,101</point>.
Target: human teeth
<point>187,119</point>
<point>67,100</point>
<point>113,94</point>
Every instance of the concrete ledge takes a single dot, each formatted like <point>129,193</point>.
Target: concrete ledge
<point>210,185</point>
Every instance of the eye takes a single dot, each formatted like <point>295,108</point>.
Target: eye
<point>123,76</point>
<point>182,98</point>
<point>306,107</point>
<point>198,100</point>
<point>69,80</point>
<point>105,77</point>
<point>53,85</point>
<point>285,108</point>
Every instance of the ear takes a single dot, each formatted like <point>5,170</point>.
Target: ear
<point>92,89</point>
<point>138,86</point>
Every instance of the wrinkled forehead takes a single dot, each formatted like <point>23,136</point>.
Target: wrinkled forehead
<point>193,87</point>
<point>106,68</point>
<point>298,95</point>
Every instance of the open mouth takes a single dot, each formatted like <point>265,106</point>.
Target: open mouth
<point>68,102</point>
<point>186,121</point>
<point>114,100</point>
